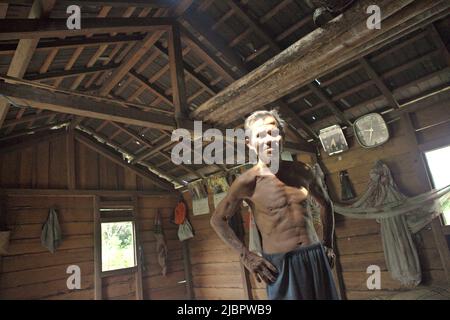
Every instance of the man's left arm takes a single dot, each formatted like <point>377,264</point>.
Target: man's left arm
<point>327,217</point>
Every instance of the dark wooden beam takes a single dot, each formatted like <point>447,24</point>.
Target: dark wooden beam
<point>34,117</point>
<point>70,156</point>
<point>140,49</point>
<point>25,48</point>
<point>272,12</point>
<point>81,106</point>
<point>96,146</point>
<point>202,24</point>
<point>148,153</point>
<point>339,42</point>
<point>379,83</point>
<point>437,39</point>
<point>80,193</point>
<point>177,74</point>
<point>123,4</point>
<point>242,13</point>
<point>197,77</point>
<point>204,53</point>
<point>151,146</point>
<point>217,42</point>
<point>329,103</point>
<point>68,73</point>
<point>3,10</point>
<point>12,29</point>
<point>152,87</point>
<point>12,143</point>
<point>9,48</point>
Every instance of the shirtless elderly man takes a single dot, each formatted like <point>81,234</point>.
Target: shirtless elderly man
<point>296,260</point>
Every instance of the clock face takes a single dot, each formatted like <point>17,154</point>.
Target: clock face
<point>371,130</point>
<point>333,140</point>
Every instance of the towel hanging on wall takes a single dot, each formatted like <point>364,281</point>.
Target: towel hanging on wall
<point>347,192</point>
<point>51,232</point>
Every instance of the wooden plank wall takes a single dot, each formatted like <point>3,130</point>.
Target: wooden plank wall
<point>216,269</point>
<point>155,285</point>
<point>44,166</point>
<point>32,272</point>
<point>359,241</point>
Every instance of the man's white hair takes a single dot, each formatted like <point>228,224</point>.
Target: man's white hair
<point>262,114</point>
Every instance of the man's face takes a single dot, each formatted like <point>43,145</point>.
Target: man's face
<point>265,139</point>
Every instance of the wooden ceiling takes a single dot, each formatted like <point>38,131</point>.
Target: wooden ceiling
<point>120,78</point>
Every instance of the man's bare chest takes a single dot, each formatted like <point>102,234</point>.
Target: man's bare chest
<point>272,196</point>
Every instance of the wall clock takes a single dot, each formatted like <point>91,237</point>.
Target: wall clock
<point>333,140</point>
<point>371,130</point>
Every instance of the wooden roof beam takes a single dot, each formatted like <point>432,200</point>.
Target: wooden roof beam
<point>68,73</point>
<point>3,10</point>
<point>152,87</point>
<point>178,82</point>
<point>329,103</point>
<point>150,146</point>
<point>254,24</point>
<point>25,49</point>
<point>12,29</point>
<point>379,83</point>
<point>140,49</point>
<point>437,39</point>
<point>82,106</point>
<point>345,37</point>
<point>123,4</point>
<point>202,24</point>
<point>272,12</point>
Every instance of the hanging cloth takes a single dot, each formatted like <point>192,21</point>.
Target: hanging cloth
<point>51,232</point>
<point>161,246</point>
<point>399,217</point>
<point>347,192</point>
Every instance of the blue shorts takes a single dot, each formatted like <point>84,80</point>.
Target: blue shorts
<point>304,274</point>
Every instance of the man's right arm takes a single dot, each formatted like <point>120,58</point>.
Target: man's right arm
<point>229,206</point>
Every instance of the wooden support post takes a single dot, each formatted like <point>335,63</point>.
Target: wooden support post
<point>139,290</point>
<point>436,224</point>
<point>70,156</point>
<point>98,290</point>
<point>188,270</point>
<point>177,74</point>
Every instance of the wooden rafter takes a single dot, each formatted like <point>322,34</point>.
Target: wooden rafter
<point>124,4</point>
<point>176,67</point>
<point>281,75</point>
<point>202,24</point>
<point>355,109</point>
<point>96,146</point>
<point>3,10</point>
<point>55,28</point>
<point>25,49</point>
<point>68,73</point>
<point>149,145</point>
<point>217,42</point>
<point>379,83</point>
<point>439,42</point>
<point>329,103</point>
<point>253,24</point>
<point>140,49</point>
<point>81,106</point>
